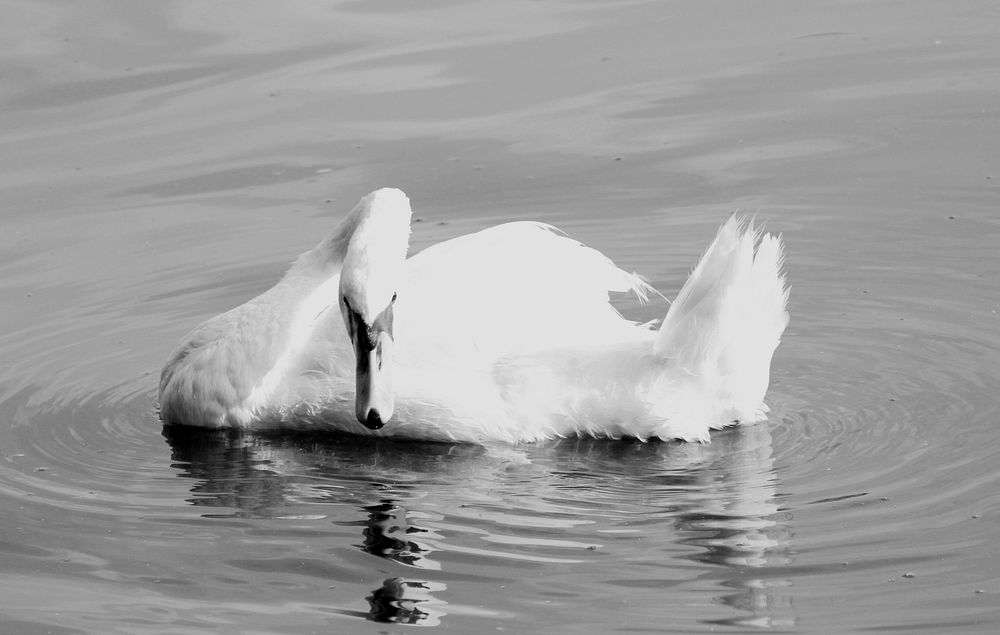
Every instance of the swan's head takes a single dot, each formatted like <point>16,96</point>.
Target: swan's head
<point>373,270</point>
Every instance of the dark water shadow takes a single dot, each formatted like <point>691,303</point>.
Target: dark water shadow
<point>254,475</point>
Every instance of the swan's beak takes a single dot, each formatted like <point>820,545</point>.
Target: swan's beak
<point>373,405</point>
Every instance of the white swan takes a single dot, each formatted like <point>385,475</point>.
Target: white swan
<point>505,334</point>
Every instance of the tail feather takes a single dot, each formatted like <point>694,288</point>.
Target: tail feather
<point>728,318</point>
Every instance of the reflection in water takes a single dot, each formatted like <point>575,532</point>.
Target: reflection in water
<point>411,500</point>
<point>739,530</point>
<point>400,600</point>
<point>720,498</point>
<point>388,535</point>
<point>231,470</point>
<point>404,601</point>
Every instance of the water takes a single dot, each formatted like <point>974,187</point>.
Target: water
<point>164,161</point>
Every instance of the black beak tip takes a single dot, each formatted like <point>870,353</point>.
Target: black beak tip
<point>374,420</point>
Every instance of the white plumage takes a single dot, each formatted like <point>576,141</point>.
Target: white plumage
<point>506,334</point>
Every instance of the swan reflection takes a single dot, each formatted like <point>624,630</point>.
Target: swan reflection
<point>403,601</point>
<point>389,535</point>
<point>430,515</point>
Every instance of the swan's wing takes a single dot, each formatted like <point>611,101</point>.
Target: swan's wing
<point>509,289</point>
<point>728,318</point>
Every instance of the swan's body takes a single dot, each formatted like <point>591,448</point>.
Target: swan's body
<point>505,334</point>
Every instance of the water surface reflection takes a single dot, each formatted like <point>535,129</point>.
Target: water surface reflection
<point>494,531</point>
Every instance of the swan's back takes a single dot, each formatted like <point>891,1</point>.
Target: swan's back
<point>483,316</point>
<point>512,288</point>
<point>523,315</point>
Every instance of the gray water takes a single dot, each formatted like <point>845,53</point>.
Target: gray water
<point>163,162</point>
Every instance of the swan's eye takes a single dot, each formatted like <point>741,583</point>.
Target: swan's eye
<point>393,297</point>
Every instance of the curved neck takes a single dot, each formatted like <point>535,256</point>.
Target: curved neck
<point>375,251</point>
<point>378,224</point>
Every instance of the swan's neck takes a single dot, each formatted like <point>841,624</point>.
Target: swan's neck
<point>372,271</point>
<point>368,250</point>
<point>376,231</point>
<point>375,252</point>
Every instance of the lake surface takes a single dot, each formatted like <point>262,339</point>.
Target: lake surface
<point>163,162</point>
